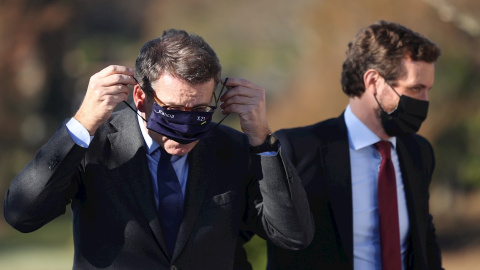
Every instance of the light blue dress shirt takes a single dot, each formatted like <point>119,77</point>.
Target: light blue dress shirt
<point>82,138</point>
<point>179,163</point>
<point>365,161</point>
<point>79,133</point>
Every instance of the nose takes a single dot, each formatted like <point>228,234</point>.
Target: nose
<point>424,95</point>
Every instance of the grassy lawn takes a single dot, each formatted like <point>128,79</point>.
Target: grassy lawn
<point>37,257</point>
<point>51,247</point>
<point>257,253</point>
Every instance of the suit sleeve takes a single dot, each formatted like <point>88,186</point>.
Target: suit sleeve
<point>285,213</point>
<point>433,249</point>
<point>43,189</point>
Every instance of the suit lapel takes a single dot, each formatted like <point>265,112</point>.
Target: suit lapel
<point>200,175</point>
<point>410,176</point>
<point>129,147</point>
<point>336,164</point>
<point>411,164</point>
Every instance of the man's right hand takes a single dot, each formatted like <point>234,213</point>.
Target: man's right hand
<point>105,90</point>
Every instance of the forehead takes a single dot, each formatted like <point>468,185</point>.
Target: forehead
<point>418,72</point>
<point>179,92</point>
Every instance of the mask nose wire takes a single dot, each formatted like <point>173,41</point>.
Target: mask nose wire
<point>136,112</point>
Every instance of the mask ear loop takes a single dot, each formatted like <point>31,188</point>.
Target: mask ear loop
<point>216,102</point>
<point>136,112</point>
<point>380,106</point>
<point>391,87</point>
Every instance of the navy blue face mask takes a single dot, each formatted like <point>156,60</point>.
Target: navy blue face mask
<point>181,126</point>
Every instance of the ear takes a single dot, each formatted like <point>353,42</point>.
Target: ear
<point>370,79</point>
<point>139,97</point>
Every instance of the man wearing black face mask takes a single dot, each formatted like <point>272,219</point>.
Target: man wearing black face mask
<point>163,187</point>
<point>367,173</point>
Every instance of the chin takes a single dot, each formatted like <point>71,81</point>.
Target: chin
<point>177,149</point>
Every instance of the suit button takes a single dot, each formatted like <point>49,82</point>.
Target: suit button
<point>173,267</point>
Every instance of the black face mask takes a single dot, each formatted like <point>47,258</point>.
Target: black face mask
<point>406,119</point>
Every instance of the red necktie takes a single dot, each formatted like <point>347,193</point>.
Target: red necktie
<point>388,210</point>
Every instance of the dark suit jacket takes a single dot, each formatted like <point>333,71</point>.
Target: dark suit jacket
<point>321,156</point>
<point>115,222</point>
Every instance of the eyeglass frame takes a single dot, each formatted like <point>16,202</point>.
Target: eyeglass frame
<point>199,108</point>
<point>185,108</point>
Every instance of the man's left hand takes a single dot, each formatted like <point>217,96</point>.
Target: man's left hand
<point>248,101</point>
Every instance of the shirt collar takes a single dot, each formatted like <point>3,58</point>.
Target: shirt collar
<point>149,142</point>
<point>359,135</point>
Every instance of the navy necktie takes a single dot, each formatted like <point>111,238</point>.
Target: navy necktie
<point>170,197</point>
<point>388,210</point>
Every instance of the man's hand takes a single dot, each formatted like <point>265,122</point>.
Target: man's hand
<point>105,90</point>
<point>248,101</point>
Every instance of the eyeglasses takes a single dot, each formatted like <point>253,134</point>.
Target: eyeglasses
<point>200,108</point>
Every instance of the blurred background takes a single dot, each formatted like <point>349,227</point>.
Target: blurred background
<point>294,49</point>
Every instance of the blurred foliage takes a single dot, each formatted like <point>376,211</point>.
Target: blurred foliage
<point>50,48</point>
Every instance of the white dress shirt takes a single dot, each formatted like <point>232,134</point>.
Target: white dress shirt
<point>365,162</point>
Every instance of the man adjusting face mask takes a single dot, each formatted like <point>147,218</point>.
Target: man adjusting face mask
<point>182,124</point>
<point>179,124</point>
<point>407,117</point>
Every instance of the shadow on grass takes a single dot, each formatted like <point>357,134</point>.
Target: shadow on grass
<point>50,247</point>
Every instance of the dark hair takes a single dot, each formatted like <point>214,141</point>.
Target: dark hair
<point>180,54</point>
<point>382,46</point>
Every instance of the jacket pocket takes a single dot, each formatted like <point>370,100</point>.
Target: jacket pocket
<point>219,200</point>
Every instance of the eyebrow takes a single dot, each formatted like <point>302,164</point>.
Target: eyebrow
<point>176,105</point>
<point>421,85</point>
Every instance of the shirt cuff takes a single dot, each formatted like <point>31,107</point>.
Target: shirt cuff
<point>269,147</point>
<point>268,154</point>
<point>79,133</point>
